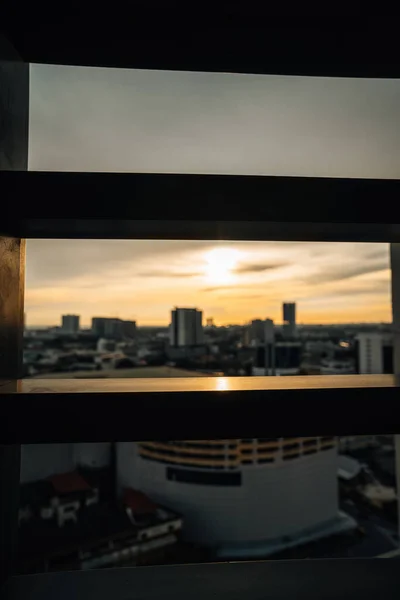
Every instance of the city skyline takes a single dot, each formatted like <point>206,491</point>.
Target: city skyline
<point>232,282</point>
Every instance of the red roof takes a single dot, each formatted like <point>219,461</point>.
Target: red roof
<point>139,503</point>
<point>67,483</point>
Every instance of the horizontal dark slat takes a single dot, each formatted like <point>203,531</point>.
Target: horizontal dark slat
<point>124,205</point>
<point>307,579</point>
<point>76,410</point>
<point>207,230</point>
<point>239,38</point>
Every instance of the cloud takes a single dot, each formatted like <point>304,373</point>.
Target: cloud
<point>233,286</point>
<point>50,261</point>
<point>168,274</point>
<point>258,267</point>
<point>214,310</point>
<point>343,272</point>
<point>377,288</point>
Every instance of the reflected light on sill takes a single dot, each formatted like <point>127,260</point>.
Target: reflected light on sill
<point>222,384</point>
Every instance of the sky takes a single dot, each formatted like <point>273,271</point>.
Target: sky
<point>116,120</point>
<point>231,282</point>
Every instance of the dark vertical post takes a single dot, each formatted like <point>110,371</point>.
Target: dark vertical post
<point>14,124</point>
<point>12,279</point>
<point>395,265</point>
<point>114,472</point>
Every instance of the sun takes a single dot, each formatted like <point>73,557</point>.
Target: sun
<point>220,263</point>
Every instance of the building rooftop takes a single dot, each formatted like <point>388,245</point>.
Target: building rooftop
<point>66,483</point>
<point>138,502</point>
<point>40,539</point>
<point>97,526</point>
<point>348,467</point>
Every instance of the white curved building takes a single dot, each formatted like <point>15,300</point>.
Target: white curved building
<point>244,496</point>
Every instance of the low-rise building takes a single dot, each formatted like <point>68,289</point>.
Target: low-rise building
<point>283,358</point>
<point>337,367</point>
<point>67,520</point>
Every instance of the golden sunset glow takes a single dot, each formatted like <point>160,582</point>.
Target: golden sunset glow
<point>231,282</point>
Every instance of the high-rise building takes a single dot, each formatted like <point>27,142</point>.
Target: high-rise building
<point>70,323</point>
<point>242,497</point>
<point>186,327</point>
<point>374,353</point>
<point>289,319</point>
